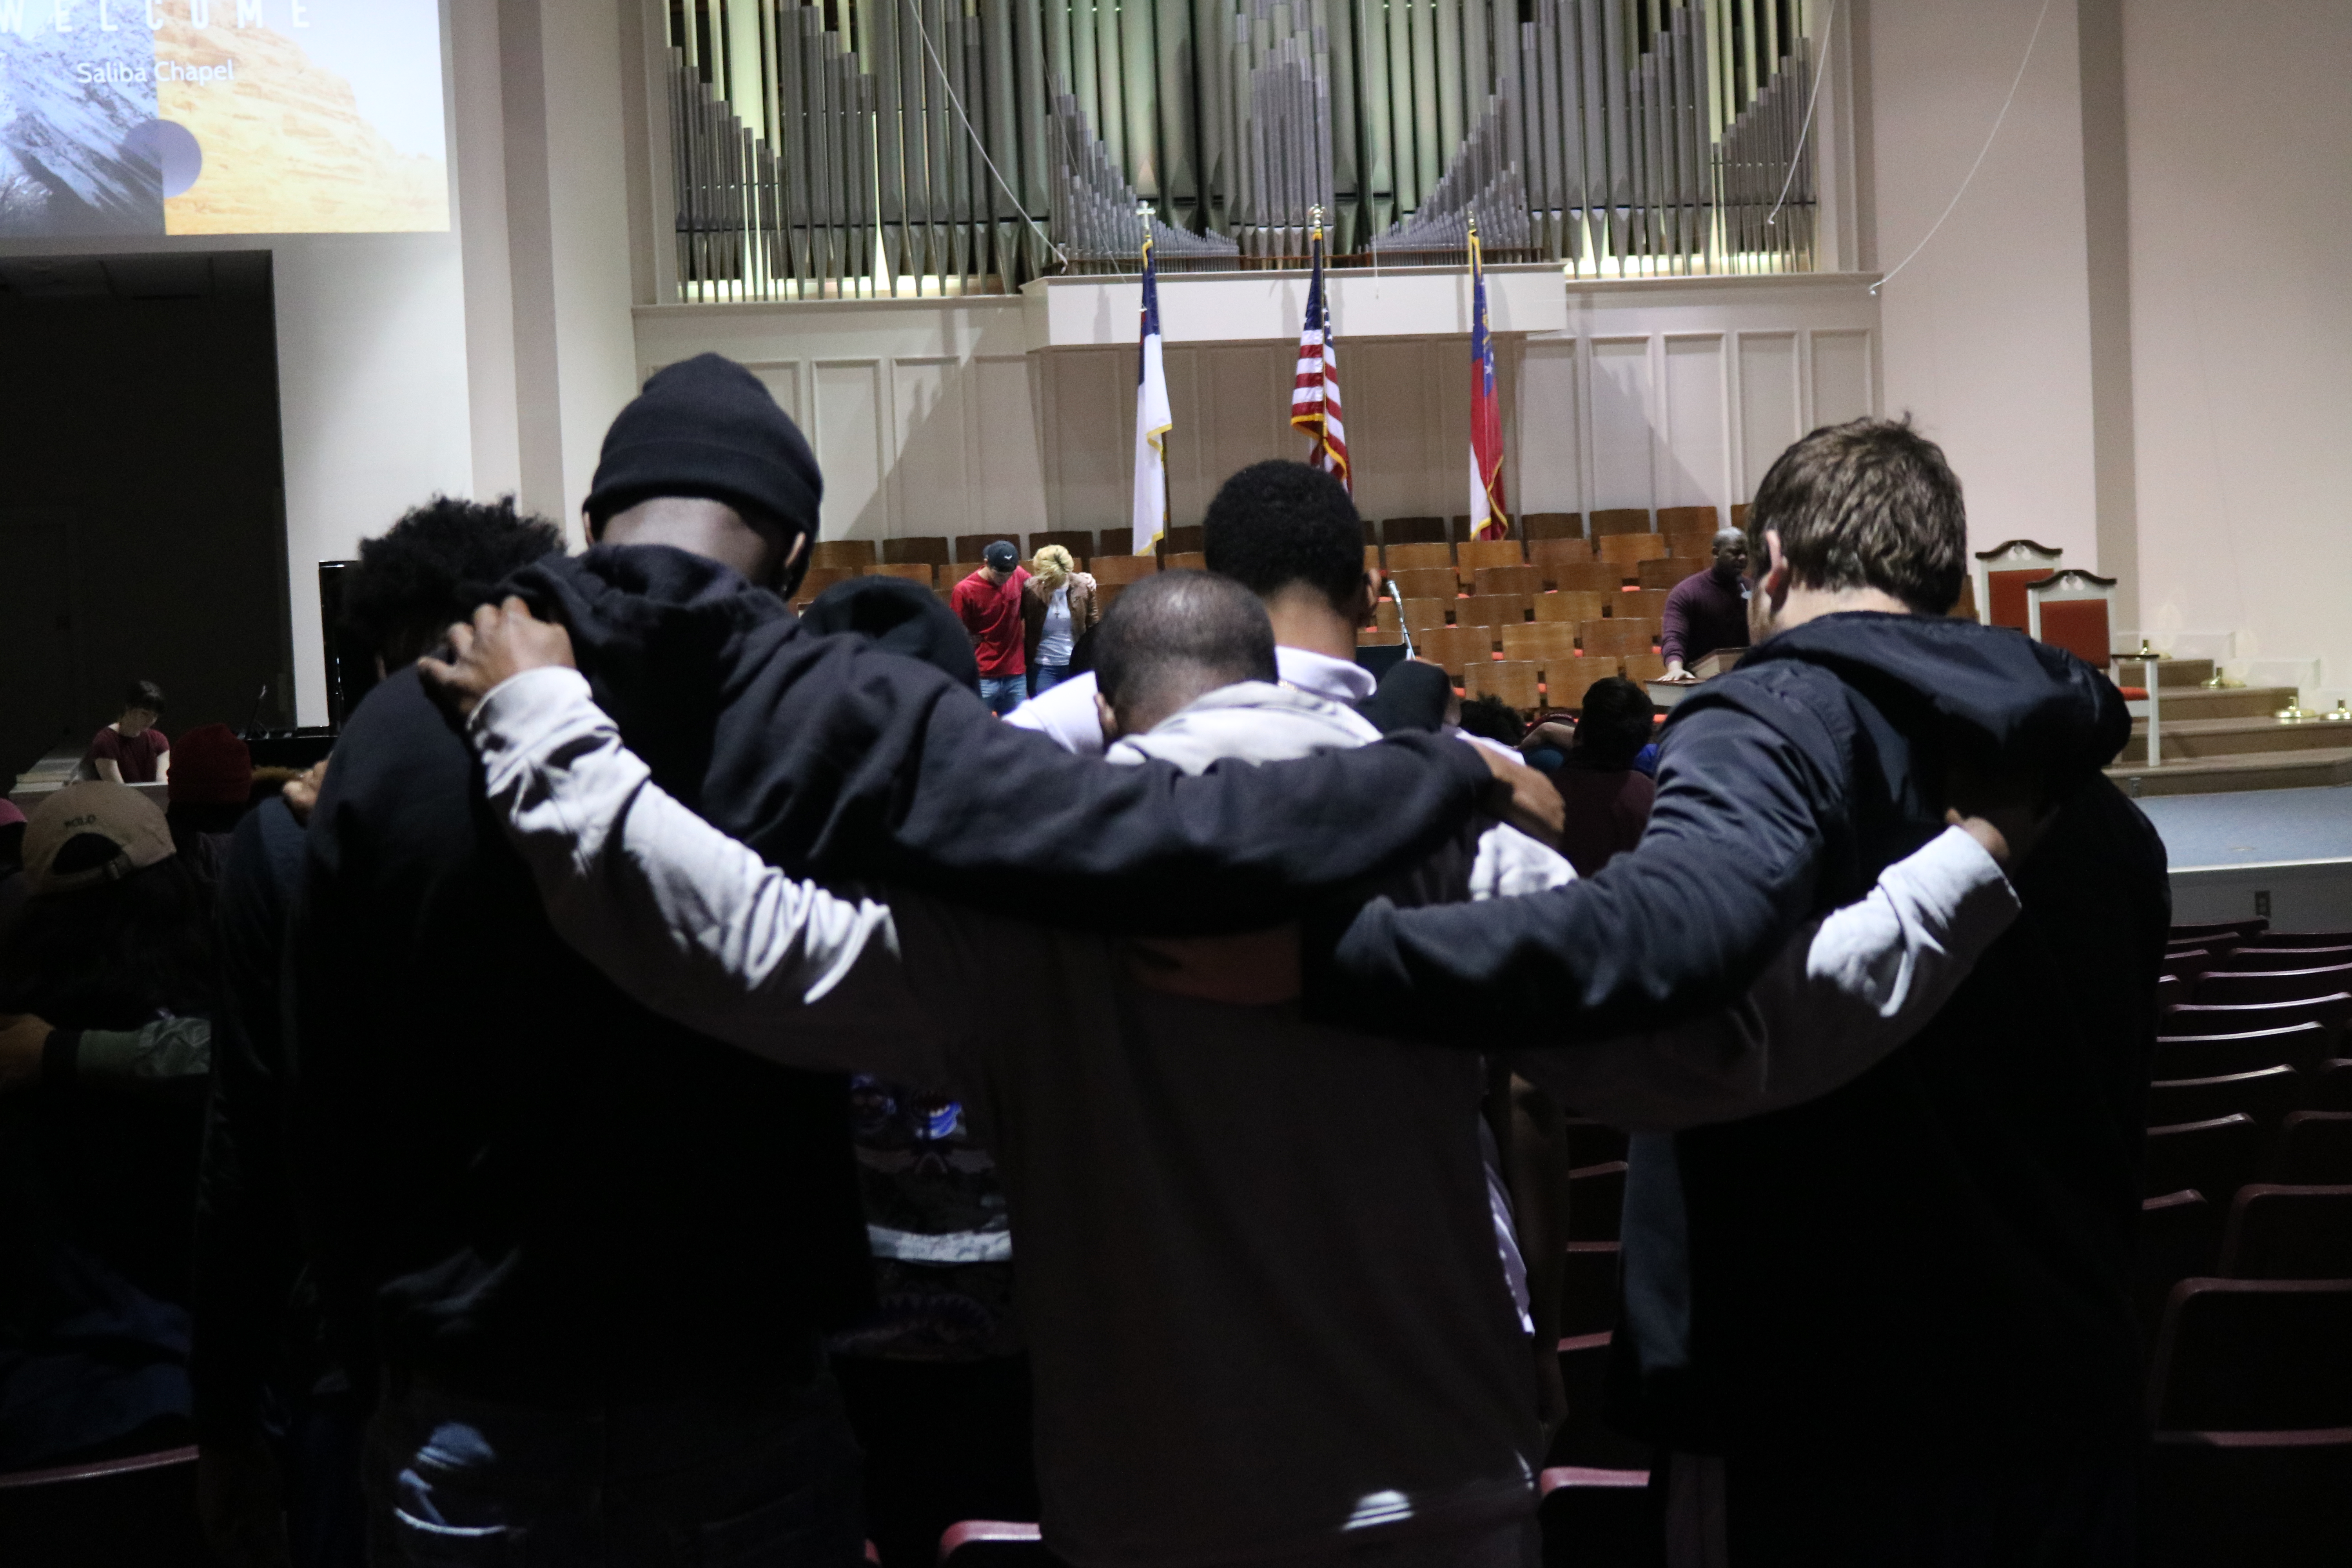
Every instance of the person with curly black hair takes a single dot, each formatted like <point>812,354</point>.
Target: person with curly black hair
<point>434,565</point>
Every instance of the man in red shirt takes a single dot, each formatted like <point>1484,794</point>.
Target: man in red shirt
<point>132,750</point>
<point>988,603</point>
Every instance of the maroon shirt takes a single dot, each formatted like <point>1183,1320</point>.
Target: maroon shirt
<point>1607,810</point>
<point>134,755</point>
<point>990,613</point>
<point>1702,616</point>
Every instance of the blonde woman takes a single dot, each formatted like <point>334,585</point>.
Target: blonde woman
<point>1057,609</point>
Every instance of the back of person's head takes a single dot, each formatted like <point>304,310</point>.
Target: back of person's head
<point>211,765</point>
<point>143,694</point>
<point>117,925</point>
<point>1052,567</point>
<point>433,567</point>
<point>1617,722</point>
<point>1278,525</point>
<point>1868,504</point>
<point>1492,719</point>
<point>1176,636</point>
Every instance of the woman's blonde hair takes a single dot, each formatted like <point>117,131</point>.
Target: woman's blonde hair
<point>1052,567</point>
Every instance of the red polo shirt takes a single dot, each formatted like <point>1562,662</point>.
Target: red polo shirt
<point>990,614</point>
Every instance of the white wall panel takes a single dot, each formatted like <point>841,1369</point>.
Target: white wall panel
<point>1010,494</point>
<point>1547,432</point>
<point>930,479</point>
<point>1624,423</point>
<point>1840,378</point>
<point>1696,470</point>
<point>783,383</point>
<point>848,438</point>
<point>1768,403</point>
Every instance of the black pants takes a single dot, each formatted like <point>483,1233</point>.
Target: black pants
<point>944,1441</point>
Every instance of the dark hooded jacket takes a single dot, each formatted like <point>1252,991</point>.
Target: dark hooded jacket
<point>531,1188</point>
<point>1939,1253</point>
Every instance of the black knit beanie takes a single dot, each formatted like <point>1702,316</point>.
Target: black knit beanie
<point>707,427</point>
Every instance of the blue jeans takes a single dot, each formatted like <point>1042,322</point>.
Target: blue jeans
<point>1046,677</point>
<point>1004,693</point>
<point>453,1483</point>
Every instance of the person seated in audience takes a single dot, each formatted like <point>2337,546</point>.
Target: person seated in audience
<point>1492,719</point>
<point>106,985</point>
<point>1708,611</point>
<point>1178,1221</point>
<point>1895,1325</point>
<point>1286,538</point>
<point>1057,609</point>
<point>276,1415</point>
<point>533,1196</point>
<point>132,750</point>
<point>1607,801</point>
<point>211,783</point>
<point>992,603</point>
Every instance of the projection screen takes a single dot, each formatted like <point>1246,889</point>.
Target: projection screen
<point>166,116</point>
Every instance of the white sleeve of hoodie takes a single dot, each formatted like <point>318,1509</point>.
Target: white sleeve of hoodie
<point>684,919</point>
<point>1843,995</point>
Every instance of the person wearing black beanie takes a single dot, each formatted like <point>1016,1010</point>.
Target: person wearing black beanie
<point>704,459</point>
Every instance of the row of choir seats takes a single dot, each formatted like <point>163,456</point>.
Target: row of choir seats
<point>2245,1263</point>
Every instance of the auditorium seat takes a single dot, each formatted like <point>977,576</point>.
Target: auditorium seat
<point>1512,579</point>
<point>1643,668</point>
<point>2226,987</point>
<point>1452,648</point>
<point>1740,514</point>
<point>141,1510</point>
<point>1699,547</point>
<point>1183,561</point>
<point>2301,1045</point>
<point>2223,1500</point>
<point>1119,541</point>
<point>1478,553</point>
<point>1596,1200</point>
<point>1628,550</point>
<point>2253,1355</point>
<point>1512,681</point>
<point>2189,962</point>
<point>1581,577</point>
<point>1372,561</point>
<point>1190,539</point>
<point>2216,1156</point>
<point>1122,569</point>
<point>1569,680</point>
<point>1617,636</point>
<point>1550,644</point>
<point>1496,610</point>
<point>1424,581</point>
<point>1639,604</point>
<point>1571,605</point>
<point>1419,557</point>
<point>2234,1017</point>
<point>1666,574</point>
<point>1423,615</point>
<point>932,549</point>
<point>973,547</point>
<point>993,1544</point>
<point>1414,531</point>
<point>2283,1232</point>
<point>1371,533</point>
<point>1387,626</point>
<point>1592,1517</point>
<point>2252,960</point>
<point>2277,939</point>
<point>1078,542</point>
<point>1688,520</point>
<point>2330,1087</point>
<point>2266,1095</point>
<point>2180,1237</point>
<point>2171,990</point>
<point>2315,1147</point>
<point>1545,525</point>
<point>1620,520</point>
<point>854,556</point>
<point>1589,1287</point>
<point>912,571</point>
<point>1584,1440</point>
<point>817,580</point>
<point>1544,551</point>
<point>2243,930</point>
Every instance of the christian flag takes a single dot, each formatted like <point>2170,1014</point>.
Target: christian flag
<point>1152,420</point>
<point>1489,518</point>
<point>1315,395</point>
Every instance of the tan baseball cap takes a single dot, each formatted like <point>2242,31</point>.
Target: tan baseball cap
<point>117,813</point>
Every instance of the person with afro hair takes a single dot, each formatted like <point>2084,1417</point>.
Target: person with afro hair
<point>431,567</point>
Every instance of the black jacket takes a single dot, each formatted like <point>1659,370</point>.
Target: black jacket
<point>1938,1253</point>
<point>537,1190</point>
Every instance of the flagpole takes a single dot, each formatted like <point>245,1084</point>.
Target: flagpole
<point>1153,420</point>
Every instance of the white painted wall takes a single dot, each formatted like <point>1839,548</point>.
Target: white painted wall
<point>2240,175</point>
<point>1988,331</point>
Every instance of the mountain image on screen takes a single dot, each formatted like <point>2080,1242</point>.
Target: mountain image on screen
<point>215,117</point>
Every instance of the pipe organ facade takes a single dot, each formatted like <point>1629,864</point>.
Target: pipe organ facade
<point>855,147</point>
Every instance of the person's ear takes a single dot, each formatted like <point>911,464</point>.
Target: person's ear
<point>590,527</point>
<point>799,548</point>
<point>1108,717</point>
<point>1358,609</point>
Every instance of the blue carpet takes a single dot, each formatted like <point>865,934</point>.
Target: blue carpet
<point>2252,826</point>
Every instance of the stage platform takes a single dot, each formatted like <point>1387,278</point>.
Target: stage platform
<point>2283,853</point>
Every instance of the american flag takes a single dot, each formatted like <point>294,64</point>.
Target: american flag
<point>1315,395</point>
<point>1488,517</point>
